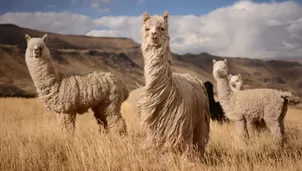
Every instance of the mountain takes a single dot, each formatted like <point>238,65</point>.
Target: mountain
<point>122,56</point>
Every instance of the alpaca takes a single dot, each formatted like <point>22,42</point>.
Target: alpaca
<point>173,107</point>
<point>235,82</point>
<point>68,95</point>
<point>247,106</point>
<point>216,110</point>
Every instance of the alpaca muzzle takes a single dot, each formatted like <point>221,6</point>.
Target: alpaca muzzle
<point>220,73</point>
<point>233,84</point>
<point>37,51</point>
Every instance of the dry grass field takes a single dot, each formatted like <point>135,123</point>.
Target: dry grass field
<point>31,140</point>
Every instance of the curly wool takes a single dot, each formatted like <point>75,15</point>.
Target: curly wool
<point>236,84</point>
<point>247,106</point>
<point>173,107</point>
<point>72,94</point>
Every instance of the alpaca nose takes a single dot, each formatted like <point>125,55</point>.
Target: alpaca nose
<point>36,48</point>
<point>153,33</point>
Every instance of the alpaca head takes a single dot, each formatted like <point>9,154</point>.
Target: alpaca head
<point>220,69</point>
<point>235,81</point>
<point>155,31</point>
<point>36,46</point>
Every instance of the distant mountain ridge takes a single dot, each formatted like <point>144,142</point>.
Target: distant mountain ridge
<point>123,57</point>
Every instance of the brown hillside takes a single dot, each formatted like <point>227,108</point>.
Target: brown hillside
<point>122,56</point>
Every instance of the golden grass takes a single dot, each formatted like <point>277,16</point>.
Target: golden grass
<point>31,140</point>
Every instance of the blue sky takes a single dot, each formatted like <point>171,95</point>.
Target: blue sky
<point>117,7</point>
<point>242,28</point>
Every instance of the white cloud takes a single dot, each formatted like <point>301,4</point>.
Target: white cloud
<point>104,33</point>
<point>244,29</point>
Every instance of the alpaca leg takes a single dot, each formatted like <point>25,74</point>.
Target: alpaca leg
<point>276,125</point>
<point>99,114</point>
<point>277,129</point>
<point>259,125</point>
<point>251,126</point>
<point>241,127</point>
<point>66,122</point>
<point>115,120</point>
<point>109,117</point>
<point>201,138</point>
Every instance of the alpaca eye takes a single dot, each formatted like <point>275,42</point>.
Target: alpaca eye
<point>162,29</point>
<point>147,29</point>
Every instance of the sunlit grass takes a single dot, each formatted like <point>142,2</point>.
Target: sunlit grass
<point>31,140</point>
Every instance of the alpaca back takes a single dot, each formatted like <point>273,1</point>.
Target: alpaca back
<point>77,93</point>
<point>255,101</point>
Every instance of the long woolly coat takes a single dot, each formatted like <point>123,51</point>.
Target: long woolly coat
<point>70,93</point>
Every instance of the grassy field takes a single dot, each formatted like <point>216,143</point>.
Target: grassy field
<point>31,140</point>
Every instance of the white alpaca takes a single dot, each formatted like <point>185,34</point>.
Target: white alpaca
<point>235,82</point>
<point>247,106</point>
<point>173,107</point>
<point>68,95</point>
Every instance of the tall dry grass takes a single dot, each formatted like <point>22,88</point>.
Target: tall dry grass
<point>31,140</point>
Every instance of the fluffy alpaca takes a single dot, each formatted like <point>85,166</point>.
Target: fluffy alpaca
<point>173,107</point>
<point>68,95</point>
<point>216,110</point>
<point>235,82</point>
<point>247,106</point>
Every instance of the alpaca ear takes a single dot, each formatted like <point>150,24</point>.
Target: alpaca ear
<point>214,61</point>
<point>166,15</point>
<point>145,16</point>
<point>27,37</point>
<point>230,76</point>
<point>225,61</point>
<point>45,38</point>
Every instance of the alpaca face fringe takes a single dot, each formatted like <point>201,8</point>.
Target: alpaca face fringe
<point>36,47</point>
<point>220,69</point>
<point>155,32</point>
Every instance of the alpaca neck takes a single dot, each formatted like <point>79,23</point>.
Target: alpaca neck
<point>157,69</point>
<point>44,74</point>
<point>224,91</point>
